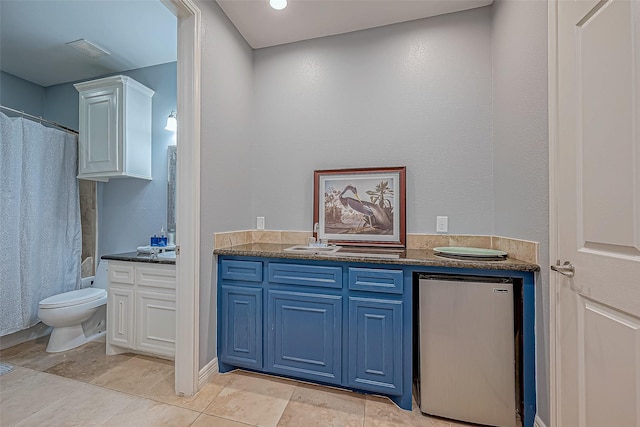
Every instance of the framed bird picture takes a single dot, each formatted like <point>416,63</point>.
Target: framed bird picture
<point>361,207</point>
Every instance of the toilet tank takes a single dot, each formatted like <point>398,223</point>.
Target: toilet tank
<point>87,282</point>
<point>100,280</point>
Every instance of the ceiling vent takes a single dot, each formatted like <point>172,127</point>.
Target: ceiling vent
<point>88,48</point>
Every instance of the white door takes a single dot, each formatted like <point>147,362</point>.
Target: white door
<point>596,183</point>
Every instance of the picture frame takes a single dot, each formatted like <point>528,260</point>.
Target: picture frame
<point>360,206</point>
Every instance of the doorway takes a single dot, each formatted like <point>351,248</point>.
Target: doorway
<point>188,196</point>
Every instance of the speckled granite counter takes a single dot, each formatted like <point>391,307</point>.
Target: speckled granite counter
<point>425,257</point>
<point>136,257</point>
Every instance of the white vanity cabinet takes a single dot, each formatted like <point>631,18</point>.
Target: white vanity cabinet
<point>115,129</point>
<point>141,308</point>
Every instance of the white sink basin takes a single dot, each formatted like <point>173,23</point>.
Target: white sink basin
<point>314,249</point>
<point>369,255</point>
<point>167,255</point>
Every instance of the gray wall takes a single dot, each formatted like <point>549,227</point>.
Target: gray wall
<point>521,153</point>
<point>225,198</point>
<point>416,94</point>
<point>130,210</point>
<point>21,95</point>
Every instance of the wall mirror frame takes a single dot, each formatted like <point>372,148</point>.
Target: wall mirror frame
<point>171,187</point>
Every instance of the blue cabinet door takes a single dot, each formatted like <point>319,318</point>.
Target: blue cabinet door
<point>375,345</point>
<point>305,335</point>
<point>241,326</point>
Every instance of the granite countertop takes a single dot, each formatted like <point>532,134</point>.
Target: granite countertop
<point>424,257</point>
<point>136,257</point>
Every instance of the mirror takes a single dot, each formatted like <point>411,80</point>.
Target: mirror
<point>171,188</point>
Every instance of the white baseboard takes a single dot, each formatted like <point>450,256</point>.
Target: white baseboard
<point>209,370</point>
<point>537,422</point>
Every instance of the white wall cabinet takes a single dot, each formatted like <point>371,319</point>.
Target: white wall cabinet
<point>141,308</point>
<point>115,129</point>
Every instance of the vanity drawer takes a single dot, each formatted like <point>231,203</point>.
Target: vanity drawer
<point>306,275</point>
<point>121,272</point>
<point>157,276</point>
<point>376,280</point>
<point>245,271</point>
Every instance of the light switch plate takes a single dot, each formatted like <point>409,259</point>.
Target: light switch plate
<point>260,223</point>
<point>442,224</point>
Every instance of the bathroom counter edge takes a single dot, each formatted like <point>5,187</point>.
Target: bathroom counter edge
<point>136,257</point>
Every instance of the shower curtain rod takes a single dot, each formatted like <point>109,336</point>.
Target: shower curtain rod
<point>40,119</point>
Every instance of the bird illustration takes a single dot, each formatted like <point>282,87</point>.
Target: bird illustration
<point>377,216</point>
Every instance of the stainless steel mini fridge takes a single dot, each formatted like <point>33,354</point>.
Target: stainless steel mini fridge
<point>467,349</point>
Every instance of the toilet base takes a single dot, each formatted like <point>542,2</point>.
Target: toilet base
<point>68,337</point>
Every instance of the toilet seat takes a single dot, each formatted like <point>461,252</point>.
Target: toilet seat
<point>71,298</point>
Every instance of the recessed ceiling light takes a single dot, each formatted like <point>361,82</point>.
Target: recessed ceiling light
<point>278,4</point>
<point>88,48</point>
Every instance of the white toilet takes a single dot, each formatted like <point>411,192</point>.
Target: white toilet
<point>79,316</point>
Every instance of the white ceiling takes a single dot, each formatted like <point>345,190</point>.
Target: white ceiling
<point>137,33</point>
<point>141,33</point>
<point>263,26</point>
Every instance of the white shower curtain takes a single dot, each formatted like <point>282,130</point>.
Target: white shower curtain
<point>40,233</point>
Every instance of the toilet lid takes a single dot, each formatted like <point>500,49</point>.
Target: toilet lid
<point>66,299</point>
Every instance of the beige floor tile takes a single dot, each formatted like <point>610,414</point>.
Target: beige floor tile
<point>88,363</point>
<point>205,420</point>
<point>152,414</point>
<point>381,412</point>
<point>23,394</point>
<point>40,344</point>
<point>164,391</point>
<point>32,355</point>
<point>316,406</point>
<point>252,399</point>
<point>87,406</point>
<point>10,380</point>
<point>136,375</point>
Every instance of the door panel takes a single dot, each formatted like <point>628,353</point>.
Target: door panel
<point>609,217</point>
<point>241,328</point>
<point>99,131</point>
<point>597,357</point>
<point>156,322</point>
<point>609,339</point>
<point>120,312</point>
<point>375,348</point>
<point>305,335</point>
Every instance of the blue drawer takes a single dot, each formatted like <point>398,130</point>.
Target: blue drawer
<point>245,271</point>
<point>306,275</point>
<point>376,280</point>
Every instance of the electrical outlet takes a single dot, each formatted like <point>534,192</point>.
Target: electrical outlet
<point>442,224</point>
<point>260,223</point>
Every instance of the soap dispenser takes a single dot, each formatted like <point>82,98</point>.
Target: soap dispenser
<point>162,239</point>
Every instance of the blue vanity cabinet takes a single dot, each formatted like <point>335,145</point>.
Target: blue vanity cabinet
<point>375,345</point>
<point>305,335</point>
<point>335,323</point>
<point>304,321</point>
<point>241,332</point>
<point>240,341</point>
<point>376,341</point>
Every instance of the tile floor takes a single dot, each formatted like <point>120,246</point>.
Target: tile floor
<point>85,387</point>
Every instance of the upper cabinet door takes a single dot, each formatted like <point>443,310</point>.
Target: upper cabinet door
<point>99,149</point>
<point>115,129</point>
